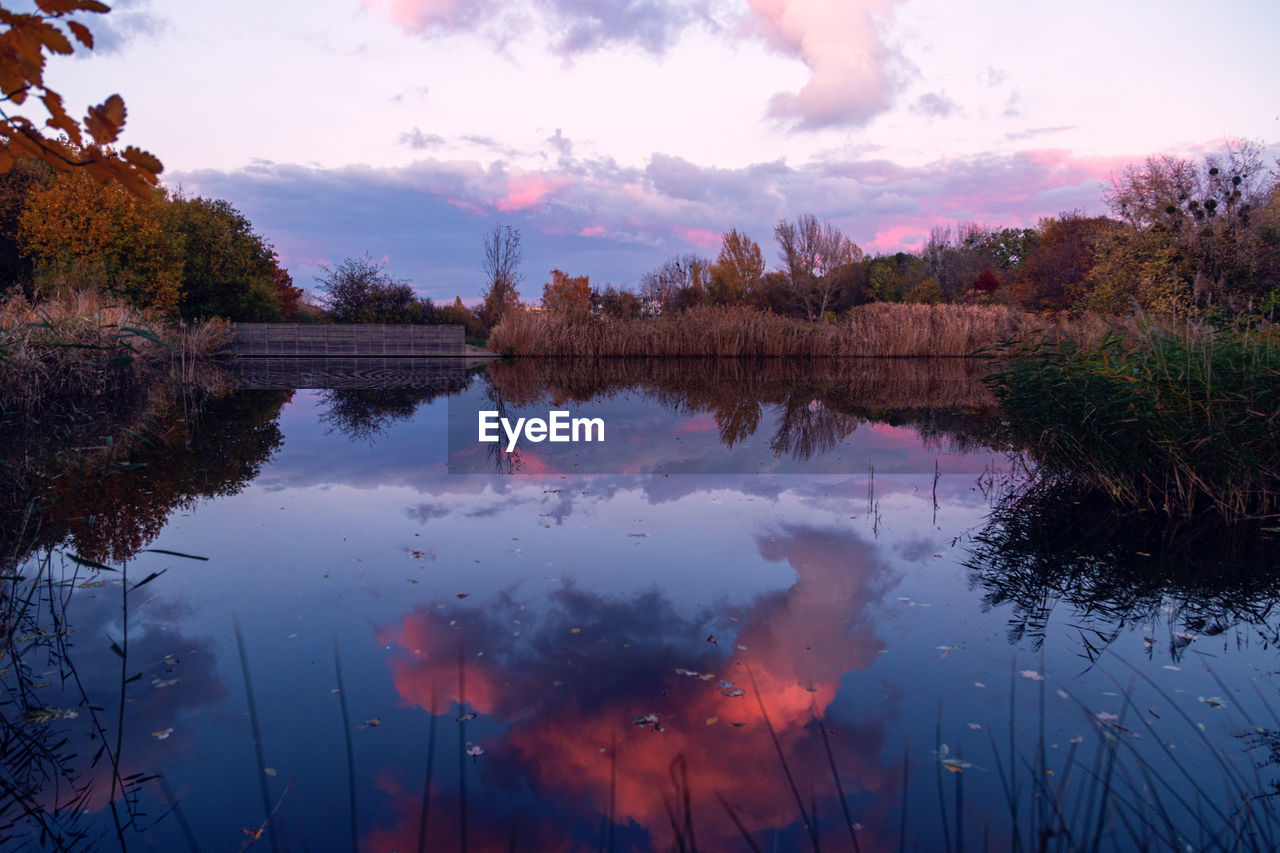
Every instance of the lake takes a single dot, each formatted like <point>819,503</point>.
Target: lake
<point>781,606</point>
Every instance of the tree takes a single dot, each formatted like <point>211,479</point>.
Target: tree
<point>501,266</point>
<point>24,38</point>
<point>738,270</point>
<point>618,304</point>
<point>357,290</point>
<point>812,254</point>
<point>80,231</point>
<point>568,295</point>
<point>1054,277</point>
<point>681,282</point>
<point>228,270</point>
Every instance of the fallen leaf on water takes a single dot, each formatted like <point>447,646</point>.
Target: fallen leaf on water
<point>270,771</point>
<point>737,725</point>
<point>978,684</point>
<point>575,630</point>
<point>1032,674</point>
<point>475,750</point>
<point>162,734</point>
<point>462,594</point>
<point>468,716</point>
<point>1170,666</point>
<point>368,724</point>
<point>711,721</point>
<point>975,726</point>
<point>711,638</point>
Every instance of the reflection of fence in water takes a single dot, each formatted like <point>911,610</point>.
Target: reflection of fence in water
<point>440,374</point>
<point>371,339</point>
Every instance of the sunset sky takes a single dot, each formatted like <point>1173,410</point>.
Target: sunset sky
<point>616,133</point>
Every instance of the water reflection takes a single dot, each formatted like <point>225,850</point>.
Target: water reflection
<point>1049,543</point>
<point>629,660</point>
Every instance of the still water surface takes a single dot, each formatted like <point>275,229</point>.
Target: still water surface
<point>770,586</point>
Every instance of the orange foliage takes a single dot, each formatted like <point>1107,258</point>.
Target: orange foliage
<point>566,294</point>
<point>23,42</point>
<point>105,235</point>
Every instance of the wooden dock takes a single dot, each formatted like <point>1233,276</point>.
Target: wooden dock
<point>293,340</point>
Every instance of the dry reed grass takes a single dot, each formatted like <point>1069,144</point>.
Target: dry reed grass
<point>876,330</point>
<point>79,344</point>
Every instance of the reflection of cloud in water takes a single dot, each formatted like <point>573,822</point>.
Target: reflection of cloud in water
<point>179,679</point>
<point>569,680</point>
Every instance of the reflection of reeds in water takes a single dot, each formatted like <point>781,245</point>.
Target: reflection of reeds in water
<point>1049,541</point>
<point>877,330</point>
<point>719,383</point>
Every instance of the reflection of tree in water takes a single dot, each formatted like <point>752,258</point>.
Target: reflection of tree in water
<point>362,414</point>
<point>114,499</point>
<point>819,402</point>
<point>1049,541</point>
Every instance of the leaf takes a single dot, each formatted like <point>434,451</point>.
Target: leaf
<point>81,32</point>
<point>1032,674</point>
<point>176,554</point>
<point>149,578</point>
<point>81,561</point>
<point>163,734</point>
<point>105,120</point>
<point>144,160</point>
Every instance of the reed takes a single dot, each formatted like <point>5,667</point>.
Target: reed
<point>876,330</point>
<point>1175,419</point>
<point>83,344</point>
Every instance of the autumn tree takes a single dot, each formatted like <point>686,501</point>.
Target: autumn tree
<point>617,303</point>
<point>567,295</point>
<point>1197,230</point>
<point>24,39</point>
<point>501,265</point>
<point>813,255</point>
<point>83,232</point>
<point>26,177</point>
<point>738,270</point>
<point>1055,276</point>
<point>227,269</point>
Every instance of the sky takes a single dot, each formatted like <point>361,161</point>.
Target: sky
<point>615,135</point>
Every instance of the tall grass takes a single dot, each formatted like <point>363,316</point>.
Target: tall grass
<point>877,330</point>
<point>1176,420</point>
<point>79,344</point>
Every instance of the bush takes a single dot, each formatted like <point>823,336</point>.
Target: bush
<point>358,290</point>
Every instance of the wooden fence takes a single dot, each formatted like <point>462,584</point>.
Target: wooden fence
<point>373,339</point>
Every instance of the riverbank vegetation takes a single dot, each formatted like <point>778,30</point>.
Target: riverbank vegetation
<point>85,349</point>
<point>878,330</point>
<point>1175,419</point>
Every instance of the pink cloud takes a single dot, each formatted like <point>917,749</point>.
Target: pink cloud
<point>698,237</point>
<point>852,76</point>
<point>421,15</point>
<point>525,191</point>
<point>593,231</point>
<point>900,237</point>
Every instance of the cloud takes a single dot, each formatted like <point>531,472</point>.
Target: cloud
<point>577,26</point>
<point>418,140</point>
<point>853,72</point>
<point>615,222</point>
<point>128,19</point>
<point>935,105</point>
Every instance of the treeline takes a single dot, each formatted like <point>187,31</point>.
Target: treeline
<point>1181,236</point>
<point>192,258</point>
